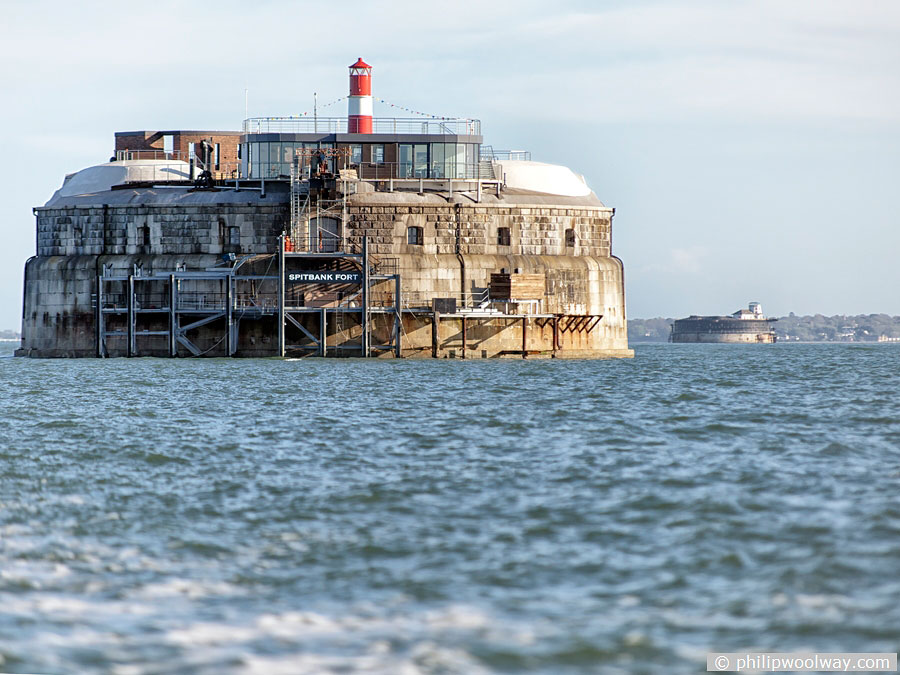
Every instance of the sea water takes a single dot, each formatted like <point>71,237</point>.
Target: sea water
<point>482,516</point>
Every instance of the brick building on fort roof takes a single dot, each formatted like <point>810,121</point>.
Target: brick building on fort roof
<point>182,145</point>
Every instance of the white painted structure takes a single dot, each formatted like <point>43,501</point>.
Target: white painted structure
<point>754,312</point>
<point>102,177</point>
<point>551,179</point>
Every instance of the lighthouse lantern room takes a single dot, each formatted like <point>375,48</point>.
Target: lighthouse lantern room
<point>359,106</point>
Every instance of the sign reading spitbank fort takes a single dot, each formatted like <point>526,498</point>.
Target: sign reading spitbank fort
<point>356,236</point>
<point>325,277</point>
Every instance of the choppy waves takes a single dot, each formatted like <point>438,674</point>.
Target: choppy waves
<point>316,516</point>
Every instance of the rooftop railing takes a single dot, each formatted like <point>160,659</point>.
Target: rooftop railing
<point>126,155</point>
<point>450,126</point>
<point>489,154</point>
<point>383,170</point>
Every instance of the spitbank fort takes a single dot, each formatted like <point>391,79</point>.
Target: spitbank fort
<point>309,235</point>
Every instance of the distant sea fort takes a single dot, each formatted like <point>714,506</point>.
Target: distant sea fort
<point>873,328</point>
<point>745,326</point>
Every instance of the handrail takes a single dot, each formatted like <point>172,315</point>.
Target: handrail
<point>453,126</point>
<point>380,171</point>
<point>125,155</point>
<point>489,154</point>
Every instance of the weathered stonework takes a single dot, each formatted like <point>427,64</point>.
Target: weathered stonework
<point>159,230</point>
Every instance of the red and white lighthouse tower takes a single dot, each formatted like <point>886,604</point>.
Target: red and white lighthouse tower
<point>359,107</point>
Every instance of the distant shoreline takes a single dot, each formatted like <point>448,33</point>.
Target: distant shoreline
<point>632,341</point>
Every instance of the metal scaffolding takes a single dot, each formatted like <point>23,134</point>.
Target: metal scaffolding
<point>183,301</point>
<point>294,307</point>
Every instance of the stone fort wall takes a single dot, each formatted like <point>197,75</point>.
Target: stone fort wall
<point>462,245</point>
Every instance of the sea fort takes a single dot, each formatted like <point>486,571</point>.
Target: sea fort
<point>308,235</point>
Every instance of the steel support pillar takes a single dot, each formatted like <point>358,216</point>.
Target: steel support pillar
<point>435,334</point>
<point>281,295</point>
<point>555,335</point>
<point>100,323</point>
<point>323,332</point>
<point>131,317</point>
<point>229,337</point>
<point>398,323</point>
<point>364,338</point>
<point>524,337</point>
<point>173,316</point>
<point>464,337</point>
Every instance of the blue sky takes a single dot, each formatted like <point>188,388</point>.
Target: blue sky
<point>751,148</point>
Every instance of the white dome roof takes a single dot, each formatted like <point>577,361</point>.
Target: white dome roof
<point>539,177</point>
<point>103,176</point>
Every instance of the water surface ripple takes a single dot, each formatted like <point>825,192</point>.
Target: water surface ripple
<point>309,516</point>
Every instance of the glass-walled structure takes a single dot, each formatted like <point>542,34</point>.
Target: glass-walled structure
<point>272,159</point>
<point>450,154</point>
<point>438,160</point>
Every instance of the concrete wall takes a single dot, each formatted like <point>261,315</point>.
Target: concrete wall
<point>59,315</point>
<point>175,229</point>
<point>465,227</point>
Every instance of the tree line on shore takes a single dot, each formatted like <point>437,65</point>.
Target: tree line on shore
<point>793,328</point>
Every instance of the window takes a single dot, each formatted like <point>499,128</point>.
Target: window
<point>356,153</point>
<point>502,236</point>
<point>218,150</point>
<point>437,160</point>
<point>415,236</point>
<point>420,157</point>
<point>413,160</point>
<point>570,237</point>
<point>460,160</point>
<point>287,155</point>
<point>231,237</point>
<point>406,154</point>
<point>274,167</point>
<point>378,153</point>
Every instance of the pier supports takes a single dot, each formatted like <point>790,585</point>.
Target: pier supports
<point>229,333</point>
<point>173,316</point>
<point>398,323</point>
<point>130,313</point>
<point>281,296</point>
<point>323,332</point>
<point>435,334</point>
<point>101,324</point>
<point>366,325</point>
<point>524,337</point>
<point>555,335</point>
<point>464,337</point>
